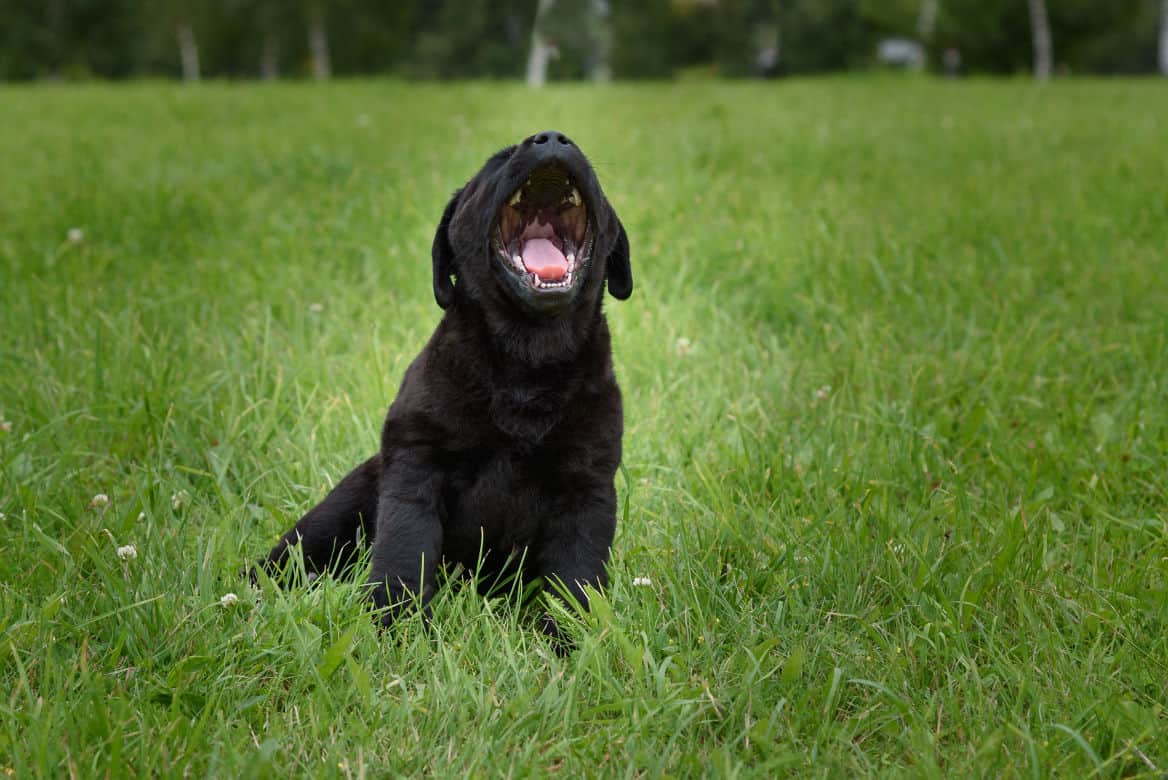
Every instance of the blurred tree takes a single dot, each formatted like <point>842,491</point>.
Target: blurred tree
<point>640,38</point>
<point>470,39</point>
<point>314,14</point>
<point>832,34</point>
<point>900,18</point>
<point>574,37</point>
<point>1040,32</point>
<point>273,37</point>
<point>377,36</point>
<point>1105,37</point>
<point>633,38</point>
<point>1093,35</point>
<point>542,49</point>
<point>267,21</point>
<point>67,38</point>
<point>600,50</point>
<point>992,35</point>
<point>32,39</point>
<point>1164,37</point>
<point>927,20</point>
<point>270,57</point>
<point>188,47</point>
<point>748,34</point>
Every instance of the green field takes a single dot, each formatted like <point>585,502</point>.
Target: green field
<point>896,450</point>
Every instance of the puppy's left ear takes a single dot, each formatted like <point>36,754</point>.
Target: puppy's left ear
<point>442,256</point>
<point>620,270</point>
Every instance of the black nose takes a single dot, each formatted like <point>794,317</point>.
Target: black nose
<point>550,137</point>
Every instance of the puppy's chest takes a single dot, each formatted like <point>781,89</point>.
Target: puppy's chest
<point>500,502</point>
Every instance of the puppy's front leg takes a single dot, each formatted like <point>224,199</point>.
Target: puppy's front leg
<point>573,554</point>
<point>328,533</point>
<point>408,541</point>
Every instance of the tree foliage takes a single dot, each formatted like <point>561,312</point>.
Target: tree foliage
<point>636,38</point>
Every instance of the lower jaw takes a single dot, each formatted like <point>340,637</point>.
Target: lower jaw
<point>534,280</point>
<point>544,300</point>
<point>540,285</point>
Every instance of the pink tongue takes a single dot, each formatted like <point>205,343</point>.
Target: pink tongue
<point>543,259</point>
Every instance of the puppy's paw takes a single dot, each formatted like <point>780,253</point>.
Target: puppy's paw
<point>255,574</point>
<point>561,643</point>
<point>392,606</point>
<point>252,574</point>
<point>282,575</point>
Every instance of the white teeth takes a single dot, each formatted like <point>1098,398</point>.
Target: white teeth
<point>564,283</point>
<point>574,198</point>
<point>518,196</point>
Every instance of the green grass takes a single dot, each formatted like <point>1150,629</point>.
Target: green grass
<point>896,380</point>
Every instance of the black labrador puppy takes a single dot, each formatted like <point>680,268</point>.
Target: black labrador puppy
<point>505,435</point>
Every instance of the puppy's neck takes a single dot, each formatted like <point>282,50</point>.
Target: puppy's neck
<point>535,344</point>
<point>527,380</point>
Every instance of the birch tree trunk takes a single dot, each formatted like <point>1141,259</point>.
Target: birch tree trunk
<point>778,9</point>
<point>927,20</point>
<point>56,10</point>
<point>600,70</point>
<point>318,43</point>
<point>188,50</point>
<point>541,52</point>
<point>1040,32</point>
<point>270,58</point>
<point>1164,37</point>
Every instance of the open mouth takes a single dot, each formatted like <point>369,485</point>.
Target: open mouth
<point>543,229</point>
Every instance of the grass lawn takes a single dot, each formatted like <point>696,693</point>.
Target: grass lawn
<point>896,449</point>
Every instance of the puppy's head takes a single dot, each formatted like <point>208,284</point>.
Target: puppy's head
<point>532,231</point>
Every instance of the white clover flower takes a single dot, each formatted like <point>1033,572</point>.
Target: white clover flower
<point>823,392</point>
<point>642,582</point>
<point>228,599</point>
<point>127,552</point>
<point>100,501</point>
<point>684,347</point>
<point>75,235</point>
<point>179,499</point>
<point>5,425</point>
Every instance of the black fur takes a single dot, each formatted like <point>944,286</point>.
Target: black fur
<point>505,435</point>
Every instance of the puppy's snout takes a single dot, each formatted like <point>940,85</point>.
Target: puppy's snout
<point>553,137</point>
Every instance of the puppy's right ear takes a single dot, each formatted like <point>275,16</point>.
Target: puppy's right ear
<point>442,255</point>
<point>620,269</point>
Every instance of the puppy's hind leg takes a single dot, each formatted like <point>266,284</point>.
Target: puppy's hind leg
<point>328,534</point>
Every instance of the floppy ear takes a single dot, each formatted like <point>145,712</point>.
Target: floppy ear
<point>620,271</point>
<point>442,255</point>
